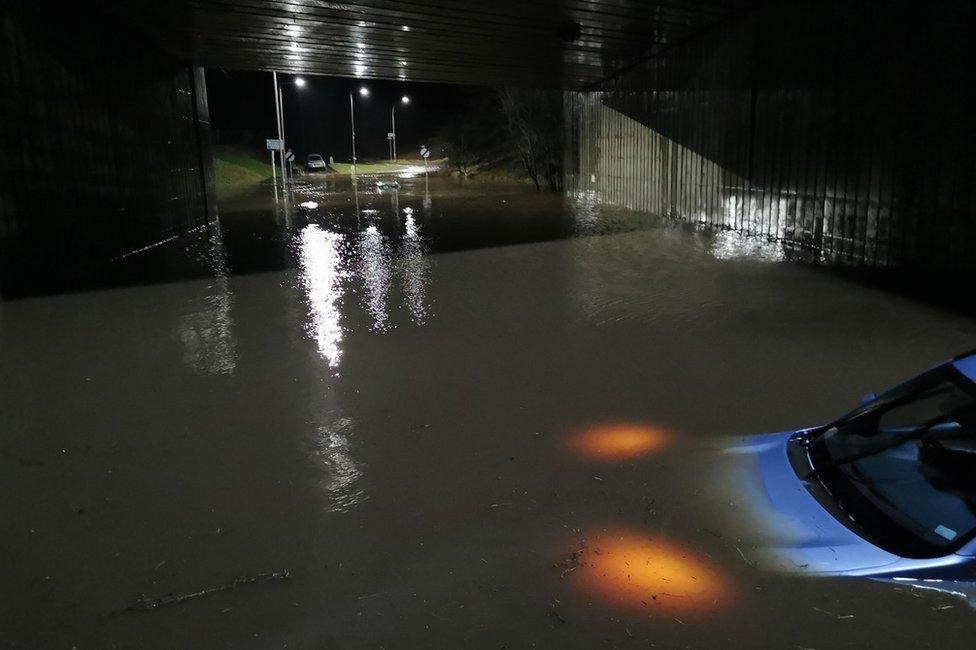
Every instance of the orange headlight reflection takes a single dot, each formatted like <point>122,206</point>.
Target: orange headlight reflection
<point>637,572</point>
<point>618,441</point>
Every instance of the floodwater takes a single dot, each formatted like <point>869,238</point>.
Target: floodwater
<point>453,416</point>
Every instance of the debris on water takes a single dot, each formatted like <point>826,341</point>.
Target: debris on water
<point>649,510</point>
<point>145,604</point>
<point>571,562</point>
<point>839,617</point>
<point>378,593</point>
<point>743,556</point>
<point>555,614</point>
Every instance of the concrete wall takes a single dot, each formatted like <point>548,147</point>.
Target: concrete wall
<point>104,146</point>
<point>843,130</point>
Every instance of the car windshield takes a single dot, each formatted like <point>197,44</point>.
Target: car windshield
<point>315,157</point>
<point>904,466</point>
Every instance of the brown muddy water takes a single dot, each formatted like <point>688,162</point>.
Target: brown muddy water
<point>456,417</point>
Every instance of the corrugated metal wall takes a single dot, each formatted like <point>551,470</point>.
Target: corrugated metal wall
<point>843,131</point>
<point>104,145</point>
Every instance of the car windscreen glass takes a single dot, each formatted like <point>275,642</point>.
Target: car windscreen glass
<point>904,466</point>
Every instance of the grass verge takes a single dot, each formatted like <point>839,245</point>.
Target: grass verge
<point>235,171</point>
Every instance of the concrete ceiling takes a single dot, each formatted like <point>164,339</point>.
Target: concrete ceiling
<point>546,43</point>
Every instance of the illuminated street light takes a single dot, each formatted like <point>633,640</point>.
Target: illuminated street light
<point>299,82</point>
<point>393,153</point>
<point>363,92</point>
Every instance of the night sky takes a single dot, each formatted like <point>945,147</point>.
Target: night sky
<point>317,115</point>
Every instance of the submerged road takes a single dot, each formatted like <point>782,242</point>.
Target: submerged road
<point>466,416</point>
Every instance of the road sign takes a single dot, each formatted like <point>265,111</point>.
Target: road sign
<point>390,136</point>
<point>274,145</point>
<point>424,151</point>
<point>289,156</point>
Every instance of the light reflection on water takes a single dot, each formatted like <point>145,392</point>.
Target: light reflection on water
<point>374,270</point>
<point>753,238</point>
<point>207,333</point>
<point>342,473</point>
<point>373,255</point>
<point>372,445</point>
<point>415,270</point>
<point>618,441</point>
<point>729,244</point>
<point>634,571</point>
<point>387,237</point>
<point>322,271</point>
<point>586,214</point>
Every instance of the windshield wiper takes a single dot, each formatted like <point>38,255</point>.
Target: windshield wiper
<point>895,441</point>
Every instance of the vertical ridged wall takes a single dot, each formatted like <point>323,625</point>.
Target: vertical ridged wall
<point>104,146</point>
<point>844,132</point>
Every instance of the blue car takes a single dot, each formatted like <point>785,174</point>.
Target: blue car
<point>888,491</point>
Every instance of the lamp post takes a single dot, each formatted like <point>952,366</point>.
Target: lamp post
<point>280,115</point>
<point>403,100</point>
<point>363,92</point>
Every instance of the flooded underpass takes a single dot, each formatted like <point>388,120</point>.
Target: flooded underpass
<point>449,415</point>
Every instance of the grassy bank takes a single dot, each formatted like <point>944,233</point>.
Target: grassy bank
<point>235,170</point>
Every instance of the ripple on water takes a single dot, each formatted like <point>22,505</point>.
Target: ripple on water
<point>341,472</point>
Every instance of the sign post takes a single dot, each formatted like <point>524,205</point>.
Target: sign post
<point>425,154</point>
<point>273,145</point>
<point>290,158</point>
<point>280,122</point>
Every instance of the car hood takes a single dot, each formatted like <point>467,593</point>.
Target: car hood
<point>797,532</point>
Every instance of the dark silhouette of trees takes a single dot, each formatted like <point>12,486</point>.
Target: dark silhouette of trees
<point>535,132</point>
<point>516,128</point>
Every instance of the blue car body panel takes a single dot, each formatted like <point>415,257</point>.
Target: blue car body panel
<point>967,366</point>
<point>809,539</point>
<point>806,535</point>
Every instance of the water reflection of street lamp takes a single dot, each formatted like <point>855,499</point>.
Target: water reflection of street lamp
<point>403,100</point>
<point>363,92</point>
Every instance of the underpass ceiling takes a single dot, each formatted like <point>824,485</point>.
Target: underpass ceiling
<point>544,43</point>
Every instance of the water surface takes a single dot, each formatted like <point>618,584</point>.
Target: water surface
<point>396,403</point>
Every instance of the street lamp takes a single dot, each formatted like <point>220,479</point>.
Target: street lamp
<point>363,92</point>
<point>298,82</point>
<point>403,100</point>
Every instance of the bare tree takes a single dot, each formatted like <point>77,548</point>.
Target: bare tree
<point>534,119</point>
<point>458,142</point>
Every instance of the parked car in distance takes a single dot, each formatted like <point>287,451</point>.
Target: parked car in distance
<point>887,491</point>
<point>315,163</point>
